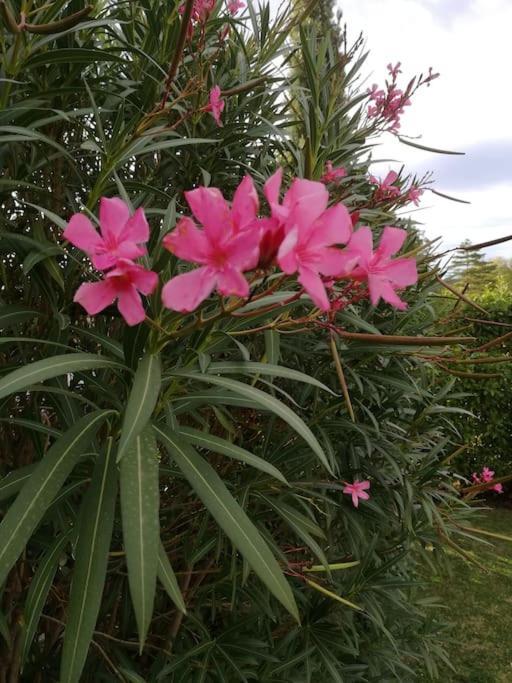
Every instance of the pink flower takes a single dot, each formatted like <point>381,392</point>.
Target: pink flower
<point>122,283</point>
<point>475,478</point>
<point>234,6</point>
<point>120,236</point>
<point>384,275</point>
<point>487,474</point>
<point>311,230</point>
<point>225,248</point>
<point>386,188</point>
<point>394,70</point>
<point>498,488</point>
<point>414,195</point>
<point>332,174</point>
<point>357,490</point>
<point>217,104</point>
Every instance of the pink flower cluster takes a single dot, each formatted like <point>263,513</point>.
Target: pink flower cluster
<point>357,490</point>
<point>302,236</point>
<point>486,476</point>
<point>332,173</point>
<point>389,104</point>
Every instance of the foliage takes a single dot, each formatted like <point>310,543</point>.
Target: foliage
<point>172,492</point>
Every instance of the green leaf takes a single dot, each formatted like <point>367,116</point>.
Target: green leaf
<point>229,515</point>
<point>272,351</point>
<point>12,315</point>
<point>44,484</point>
<point>52,367</point>
<point>14,481</point>
<point>94,536</point>
<point>38,591</point>
<point>140,515</point>
<point>72,56</point>
<point>107,343</point>
<point>267,402</point>
<point>141,402</point>
<point>168,580</point>
<point>218,445</point>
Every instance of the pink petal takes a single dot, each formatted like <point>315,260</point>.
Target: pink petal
<point>333,227</point>
<point>242,251</point>
<point>306,200</point>
<point>272,187</point>
<point>334,261</point>
<point>363,495</point>
<point>390,178</point>
<point>314,286</point>
<point>245,204</point>
<point>95,296</point>
<point>81,233</point>
<point>391,241</point>
<point>114,214</point>
<point>231,282</point>
<point>380,288</point>
<point>286,256</point>
<point>363,485</point>
<point>187,242</point>
<point>136,228</point>
<point>355,500</point>
<point>185,292</point>
<point>361,244</point>
<point>144,280</point>
<point>130,306</point>
<point>211,210</point>
<point>402,272</point>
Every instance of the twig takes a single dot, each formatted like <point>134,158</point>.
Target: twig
<point>341,377</point>
<point>173,69</point>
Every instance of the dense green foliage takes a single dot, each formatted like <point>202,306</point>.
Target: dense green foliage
<point>233,435</point>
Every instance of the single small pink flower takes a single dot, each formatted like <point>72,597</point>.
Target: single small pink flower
<point>216,105</point>
<point>498,488</point>
<point>414,195</point>
<point>332,174</point>
<point>234,6</point>
<point>384,274</point>
<point>386,189</point>
<point>357,490</point>
<point>125,283</point>
<point>121,236</point>
<point>394,70</point>
<point>225,248</point>
<point>487,474</point>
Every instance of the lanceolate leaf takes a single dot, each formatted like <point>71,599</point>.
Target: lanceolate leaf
<point>38,592</point>
<point>52,367</point>
<point>266,402</point>
<point>141,402</point>
<point>218,445</point>
<point>229,515</point>
<point>141,532</point>
<point>12,315</point>
<point>272,346</point>
<point>45,482</point>
<point>168,579</point>
<point>94,535</point>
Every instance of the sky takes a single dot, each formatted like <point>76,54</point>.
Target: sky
<point>467,109</point>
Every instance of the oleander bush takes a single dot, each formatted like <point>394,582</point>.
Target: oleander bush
<point>224,440</point>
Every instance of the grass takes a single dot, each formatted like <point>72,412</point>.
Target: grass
<point>479,606</point>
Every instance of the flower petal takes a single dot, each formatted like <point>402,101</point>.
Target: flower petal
<point>335,262</point>
<point>95,296</point>
<point>242,251</point>
<point>245,204</point>
<point>306,200</point>
<point>381,288</point>
<point>391,241</point>
<point>334,226</point>
<point>187,242</point>
<point>81,233</point>
<point>402,272</point>
<point>144,280</point>
<point>314,286</point>
<point>231,282</point>
<point>361,245</point>
<point>136,228</point>
<point>272,187</point>
<point>286,256</point>
<point>130,306</point>
<point>211,210</point>
<point>114,214</point>
<point>185,292</point>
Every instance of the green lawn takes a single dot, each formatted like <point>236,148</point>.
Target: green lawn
<point>479,606</point>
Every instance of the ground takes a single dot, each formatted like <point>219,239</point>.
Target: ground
<point>479,607</point>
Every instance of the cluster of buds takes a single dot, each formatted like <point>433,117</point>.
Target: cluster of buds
<point>387,189</point>
<point>388,103</point>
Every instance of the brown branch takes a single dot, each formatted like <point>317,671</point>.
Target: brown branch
<point>460,295</point>
<point>173,69</point>
<point>341,377</point>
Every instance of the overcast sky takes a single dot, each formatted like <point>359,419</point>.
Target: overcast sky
<point>468,109</point>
